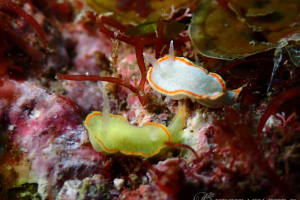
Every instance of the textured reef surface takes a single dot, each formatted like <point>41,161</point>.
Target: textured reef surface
<point>62,60</point>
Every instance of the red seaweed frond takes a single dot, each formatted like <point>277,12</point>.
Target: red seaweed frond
<point>119,35</point>
<point>11,37</point>
<point>187,13</point>
<point>62,10</point>
<point>97,78</point>
<point>179,145</point>
<point>275,104</point>
<point>118,31</point>
<point>169,175</point>
<point>139,42</point>
<point>8,32</point>
<point>289,125</point>
<point>142,8</point>
<point>9,6</point>
<point>242,145</point>
<point>159,43</point>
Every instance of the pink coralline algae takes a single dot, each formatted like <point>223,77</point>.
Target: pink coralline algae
<point>89,46</point>
<point>48,131</point>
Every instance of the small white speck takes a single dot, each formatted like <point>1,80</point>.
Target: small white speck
<point>223,179</point>
<point>271,122</point>
<point>11,127</point>
<point>144,179</point>
<point>23,150</point>
<point>35,114</point>
<point>118,183</point>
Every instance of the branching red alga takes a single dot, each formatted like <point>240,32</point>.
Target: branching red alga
<point>8,12</point>
<point>138,42</point>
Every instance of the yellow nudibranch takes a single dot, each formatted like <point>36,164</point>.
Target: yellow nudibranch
<point>178,77</point>
<point>113,133</point>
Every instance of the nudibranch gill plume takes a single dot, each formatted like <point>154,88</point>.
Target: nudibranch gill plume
<point>178,78</point>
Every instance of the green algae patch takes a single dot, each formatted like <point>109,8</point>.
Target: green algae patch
<point>244,28</point>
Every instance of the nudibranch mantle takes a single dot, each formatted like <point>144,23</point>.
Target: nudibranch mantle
<point>178,77</point>
<point>114,133</point>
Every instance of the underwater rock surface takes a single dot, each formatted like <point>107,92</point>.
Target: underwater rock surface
<point>60,61</point>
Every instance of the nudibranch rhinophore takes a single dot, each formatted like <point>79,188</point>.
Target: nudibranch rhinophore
<point>178,77</point>
<point>113,133</point>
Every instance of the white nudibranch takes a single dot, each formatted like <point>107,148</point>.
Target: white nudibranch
<point>178,78</point>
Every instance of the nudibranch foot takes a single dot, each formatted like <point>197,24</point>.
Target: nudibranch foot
<point>117,134</point>
<point>228,98</point>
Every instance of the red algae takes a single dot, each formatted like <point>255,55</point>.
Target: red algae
<point>15,9</point>
<point>8,89</point>
<point>25,43</point>
<point>12,7</point>
<point>143,9</point>
<point>97,78</point>
<point>275,104</point>
<point>139,42</point>
<point>50,123</point>
<point>242,144</point>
